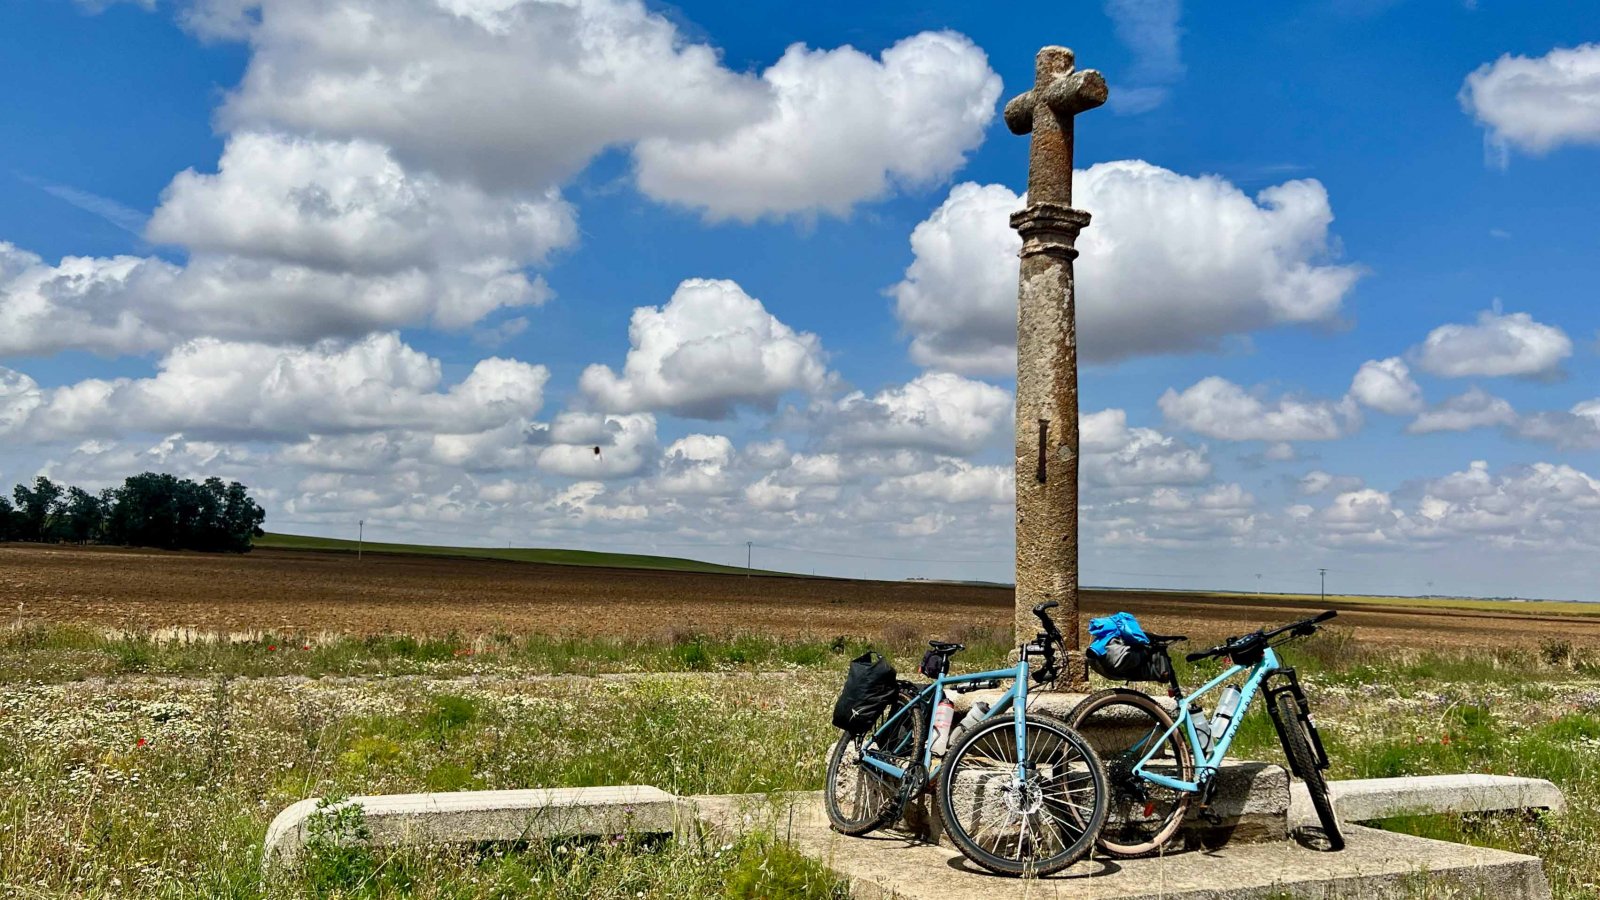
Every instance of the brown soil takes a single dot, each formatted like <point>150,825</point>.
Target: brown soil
<point>306,591</point>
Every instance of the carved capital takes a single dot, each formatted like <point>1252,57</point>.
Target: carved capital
<point>1049,228</point>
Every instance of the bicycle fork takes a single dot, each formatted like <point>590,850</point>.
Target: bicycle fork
<point>1291,685</point>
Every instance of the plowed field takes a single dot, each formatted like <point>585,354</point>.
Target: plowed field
<point>307,591</point>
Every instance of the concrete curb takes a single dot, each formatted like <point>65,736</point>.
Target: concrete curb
<point>469,817</point>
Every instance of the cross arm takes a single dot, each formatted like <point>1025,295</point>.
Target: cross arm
<point>1067,95</point>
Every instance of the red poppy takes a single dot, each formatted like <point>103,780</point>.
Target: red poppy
<point>271,647</point>
<point>140,742</point>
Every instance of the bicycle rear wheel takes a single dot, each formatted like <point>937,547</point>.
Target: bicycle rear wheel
<point>1039,826</point>
<point>1303,761</point>
<point>860,798</point>
<point>1126,727</point>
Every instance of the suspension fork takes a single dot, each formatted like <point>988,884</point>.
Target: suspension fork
<point>1289,683</point>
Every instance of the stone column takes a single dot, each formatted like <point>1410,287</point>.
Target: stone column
<point>1047,351</point>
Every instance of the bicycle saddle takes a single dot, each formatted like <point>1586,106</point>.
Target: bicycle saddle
<point>946,647</point>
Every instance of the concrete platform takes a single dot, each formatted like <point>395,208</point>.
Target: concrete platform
<point>1371,799</point>
<point>472,817</point>
<point>1375,865</point>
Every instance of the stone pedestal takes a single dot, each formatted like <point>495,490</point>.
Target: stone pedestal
<point>1251,801</point>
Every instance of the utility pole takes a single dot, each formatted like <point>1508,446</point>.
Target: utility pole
<point>1324,574</point>
<point>361,536</point>
<point>749,551</point>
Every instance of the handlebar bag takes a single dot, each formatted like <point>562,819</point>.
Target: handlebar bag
<point>868,689</point>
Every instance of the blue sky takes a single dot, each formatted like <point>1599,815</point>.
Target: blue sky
<point>430,224</point>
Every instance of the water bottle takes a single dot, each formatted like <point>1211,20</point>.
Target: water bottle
<point>973,717</point>
<point>1202,728</point>
<point>942,717</point>
<point>1226,707</point>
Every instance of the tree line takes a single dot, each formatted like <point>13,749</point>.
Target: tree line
<point>148,510</point>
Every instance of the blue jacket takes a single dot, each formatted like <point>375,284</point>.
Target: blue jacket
<point>1117,625</point>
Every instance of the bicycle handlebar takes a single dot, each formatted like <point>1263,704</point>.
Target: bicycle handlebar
<point>1052,638</point>
<point>1042,611</point>
<point>1255,639</point>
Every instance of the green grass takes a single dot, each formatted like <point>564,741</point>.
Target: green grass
<point>511,554</point>
<point>134,783</point>
<point>59,653</point>
<point>132,788</point>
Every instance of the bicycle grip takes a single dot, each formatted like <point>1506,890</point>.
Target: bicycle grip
<point>1326,616</point>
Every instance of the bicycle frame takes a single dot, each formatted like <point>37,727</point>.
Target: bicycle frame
<point>1207,765</point>
<point>1015,698</point>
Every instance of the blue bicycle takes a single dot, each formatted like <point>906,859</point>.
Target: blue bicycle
<point>1021,794</point>
<point>1150,757</point>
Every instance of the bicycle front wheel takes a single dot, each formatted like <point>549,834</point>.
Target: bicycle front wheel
<point>1302,760</point>
<point>1035,824</point>
<point>1129,726</point>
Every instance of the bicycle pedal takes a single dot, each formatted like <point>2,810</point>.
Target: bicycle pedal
<point>1210,816</point>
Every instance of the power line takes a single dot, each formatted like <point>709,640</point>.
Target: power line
<point>922,559</point>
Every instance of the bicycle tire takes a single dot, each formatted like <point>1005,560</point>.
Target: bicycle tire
<point>1130,831</point>
<point>995,741</point>
<point>1303,761</point>
<point>878,809</point>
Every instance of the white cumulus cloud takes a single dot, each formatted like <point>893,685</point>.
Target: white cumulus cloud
<point>952,481</point>
<point>840,127</point>
<point>1475,408</point>
<point>350,206</point>
<point>1115,455</point>
<point>1386,386</point>
<point>1218,408</point>
<point>595,446</point>
<point>939,412</point>
<point>1537,104</point>
<point>1171,263</point>
<point>265,391</point>
<point>697,464</point>
<point>710,349</point>
<point>522,95</point>
<point>1498,344</point>
<point>1578,428</point>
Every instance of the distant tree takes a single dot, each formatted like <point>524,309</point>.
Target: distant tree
<point>36,509</point>
<point>83,517</point>
<point>159,510</point>
<point>241,518</point>
<point>7,517</point>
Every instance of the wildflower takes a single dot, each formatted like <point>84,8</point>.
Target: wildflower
<point>140,742</point>
<point>1445,740</point>
<point>271,647</point>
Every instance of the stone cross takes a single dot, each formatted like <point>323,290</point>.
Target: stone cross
<point>1047,350</point>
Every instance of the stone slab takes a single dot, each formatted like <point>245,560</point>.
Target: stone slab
<point>470,817</point>
<point>1370,799</point>
<point>1376,865</point>
<point>1053,703</point>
